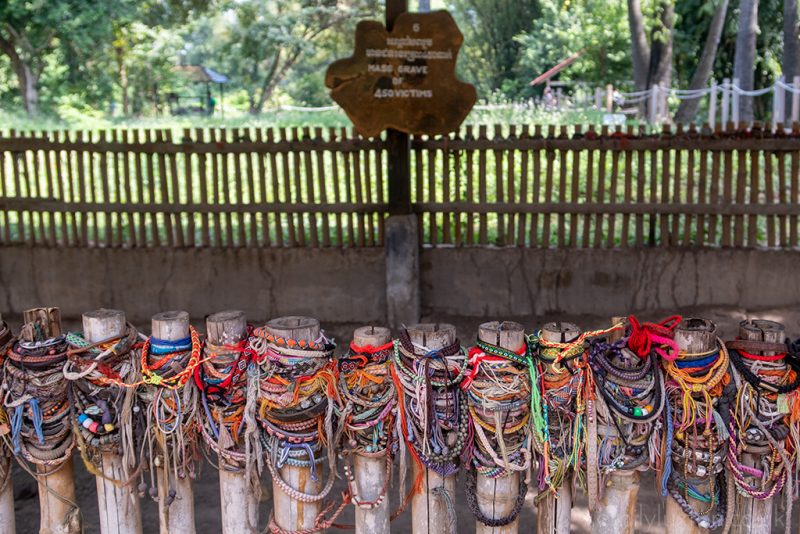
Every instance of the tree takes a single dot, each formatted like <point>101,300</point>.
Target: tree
<point>745,56</point>
<point>30,30</point>
<point>491,51</point>
<point>702,73</point>
<point>659,71</point>
<point>640,48</point>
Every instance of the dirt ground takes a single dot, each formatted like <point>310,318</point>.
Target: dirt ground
<point>650,506</point>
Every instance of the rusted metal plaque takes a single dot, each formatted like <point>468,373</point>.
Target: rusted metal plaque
<point>404,79</point>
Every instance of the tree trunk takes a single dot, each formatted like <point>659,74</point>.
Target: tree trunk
<point>640,50</point>
<point>688,107</point>
<point>660,68</point>
<point>122,71</point>
<point>27,79</point>
<point>791,46</point>
<point>745,55</point>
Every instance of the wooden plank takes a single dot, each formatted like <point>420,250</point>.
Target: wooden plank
<point>223,188</point>
<point>653,218</point>
<point>5,216</point>
<point>752,219</point>
<point>433,229</point>
<point>79,162</point>
<point>666,160</point>
<point>163,190</point>
<point>523,188</point>
<point>575,191</point>
<point>237,194</point>
<point>612,196</point>
<point>536,190</point>
<point>189,177</point>
<point>381,194</point>
<point>587,218</point>
<point>783,194</point>
<point>641,166</point>
<point>677,188</point>
<point>359,198</point>
<point>470,188</point>
<point>628,191</point>
<point>214,190</point>
<point>446,195</point>
<point>125,186</point>
<point>348,193</point>
<point>511,186</point>
<point>298,191</point>
<point>140,190</point>
<point>64,171</point>
<point>548,188</point>
<point>250,171</point>
<point>119,187</point>
<point>367,196</point>
<point>336,184</point>
<point>483,233</point>
<point>601,193</point>
<point>795,191</point>
<point>769,192</point>
<point>105,187</point>
<point>266,238</point>
<point>32,190</point>
<point>562,190</point>
<point>52,191</point>
<point>498,175</point>
<point>457,190</point>
<point>205,230</point>
<point>741,181</point>
<point>689,222</point>
<point>312,198</point>
<point>727,193</point>
<point>276,188</point>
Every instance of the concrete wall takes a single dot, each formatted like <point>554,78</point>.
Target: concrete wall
<point>333,285</point>
<point>348,286</point>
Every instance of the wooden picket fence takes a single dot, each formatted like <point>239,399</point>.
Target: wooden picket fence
<point>504,185</point>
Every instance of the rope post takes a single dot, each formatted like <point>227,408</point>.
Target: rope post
<point>7,518</point>
<point>177,517</point>
<point>712,104</point>
<point>796,99</point>
<point>778,105</point>
<point>726,100</point>
<point>618,503</point>
<point>239,501</point>
<point>653,115</point>
<point>694,336</point>
<point>735,102</point>
<point>370,472</point>
<point>119,508</point>
<point>755,515</point>
<point>598,98</point>
<point>609,98</point>
<point>289,513</point>
<point>59,513</point>
<point>429,513</point>
<point>553,512</point>
<point>497,496</point>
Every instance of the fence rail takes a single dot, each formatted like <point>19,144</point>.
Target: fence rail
<point>517,185</point>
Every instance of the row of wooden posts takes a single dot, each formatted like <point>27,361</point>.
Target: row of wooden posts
<point>119,505</point>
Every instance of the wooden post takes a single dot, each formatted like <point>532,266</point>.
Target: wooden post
<point>289,513</point>
<point>118,505</point>
<point>7,519</point>
<point>712,104</point>
<point>618,503</point>
<point>554,511</point>
<point>726,100</point>
<point>778,105</point>
<point>598,98</point>
<point>754,515</point>
<point>239,501</point>
<point>59,511</point>
<point>428,510</point>
<point>371,473</point>
<point>496,496</point>
<point>694,336</point>
<point>795,99</point>
<point>653,111</point>
<point>735,102</point>
<point>176,517</point>
<point>609,98</point>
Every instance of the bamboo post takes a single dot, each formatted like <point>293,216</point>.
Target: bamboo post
<point>7,519</point>
<point>553,512</point>
<point>371,473</point>
<point>289,513</point>
<point>118,505</point>
<point>239,501</point>
<point>754,515</point>
<point>712,104</point>
<point>59,511</point>
<point>735,102</point>
<point>177,516</point>
<point>496,496</point>
<point>778,105</point>
<point>618,503</point>
<point>726,100</point>
<point>653,111</point>
<point>795,99</point>
<point>428,510</point>
<point>695,336</point>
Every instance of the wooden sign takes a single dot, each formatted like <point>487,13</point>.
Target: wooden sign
<point>404,79</point>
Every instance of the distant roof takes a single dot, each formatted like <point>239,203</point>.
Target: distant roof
<point>199,73</point>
